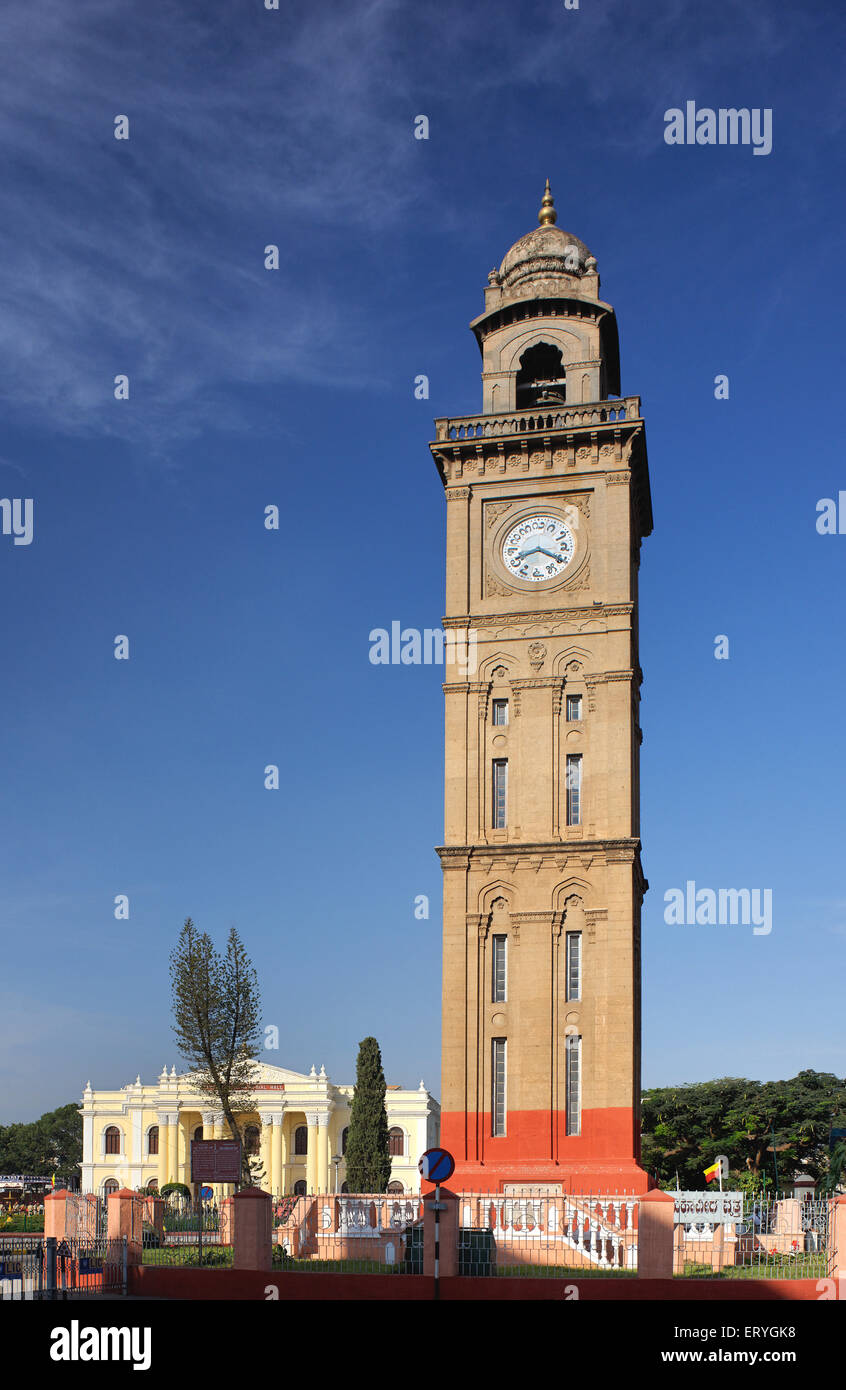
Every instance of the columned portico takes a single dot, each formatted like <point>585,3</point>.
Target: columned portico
<point>301,1120</point>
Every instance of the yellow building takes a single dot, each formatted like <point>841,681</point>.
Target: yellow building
<point>141,1134</point>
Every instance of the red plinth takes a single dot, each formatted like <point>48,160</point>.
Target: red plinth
<point>537,1150</point>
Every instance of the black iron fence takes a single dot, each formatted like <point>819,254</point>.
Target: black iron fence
<point>777,1236</point>
<point>74,1267</point>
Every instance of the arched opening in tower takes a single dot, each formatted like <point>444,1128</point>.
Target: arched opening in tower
<point>541,376</point>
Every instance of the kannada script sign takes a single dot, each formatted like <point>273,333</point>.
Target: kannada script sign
<point>713,1207</point>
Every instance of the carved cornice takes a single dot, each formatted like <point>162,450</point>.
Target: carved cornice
<point>603,677</point>
<point>538,683</point>
<point>520,919</point>
<point>482,857</point>
<point>614,479</point>
<point>457,494</point>
<point>556,614</point>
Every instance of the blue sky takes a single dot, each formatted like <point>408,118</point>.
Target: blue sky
<point>295,388</point>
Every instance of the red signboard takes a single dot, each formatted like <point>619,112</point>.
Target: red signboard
<point>215,1160</point>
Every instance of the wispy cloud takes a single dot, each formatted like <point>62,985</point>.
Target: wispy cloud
<point>146,256</point>
<point>248,127</point>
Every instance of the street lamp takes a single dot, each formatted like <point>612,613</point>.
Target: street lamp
<point>336,1159</point>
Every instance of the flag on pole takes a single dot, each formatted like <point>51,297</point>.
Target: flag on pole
<point>713,1172</point>
<point>53,1180</point>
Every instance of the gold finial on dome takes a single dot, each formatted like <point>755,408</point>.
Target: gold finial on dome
<point>547,215</point>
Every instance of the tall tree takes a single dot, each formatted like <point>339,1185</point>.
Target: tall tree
<point>368,1159</point>
<point>217,1012</point>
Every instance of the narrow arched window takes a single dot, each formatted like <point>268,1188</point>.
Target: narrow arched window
<point>396,1142</point>
<point>252,1139</point>
<point>112,1140</point>
<point>344,1137</point>
<point>109,1186</point>
<point>198,1132</point>
<point>395,1188</point>
<point>301,1139</point>
<point>153,1140</point>
<point>300,1188</point>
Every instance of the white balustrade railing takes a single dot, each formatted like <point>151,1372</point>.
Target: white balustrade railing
<point>536,419</point>
<point>599,1229</point>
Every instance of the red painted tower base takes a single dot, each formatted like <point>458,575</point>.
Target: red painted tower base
<point>603,1158</point>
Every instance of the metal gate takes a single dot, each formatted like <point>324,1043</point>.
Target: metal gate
<point>76,1267</point>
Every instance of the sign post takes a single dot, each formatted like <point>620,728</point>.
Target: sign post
<point>212,1160</point>
<point>437,1166</point>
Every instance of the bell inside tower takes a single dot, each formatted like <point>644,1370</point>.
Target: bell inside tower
<point>541,378</point>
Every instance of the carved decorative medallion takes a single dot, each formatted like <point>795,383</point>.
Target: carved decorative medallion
<point>537,654</point>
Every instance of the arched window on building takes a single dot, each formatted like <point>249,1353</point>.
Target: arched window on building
<point>153,1140</point>
<point>109,1186</point>
<point>198,1132</point>
<point>112,1140</point>
<point>344,1137</point>
<point>396,1142</point>
<point>252,1139</point>
<point>300,1188</point>
<point>301,1139</point>
<point>396,1188</point>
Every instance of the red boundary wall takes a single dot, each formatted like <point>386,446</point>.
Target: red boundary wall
<point>160,1281</point>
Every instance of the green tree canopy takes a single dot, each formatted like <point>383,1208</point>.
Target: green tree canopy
<point>50,1144</point>
<point>368,1158</point>
<point>759,1126</point>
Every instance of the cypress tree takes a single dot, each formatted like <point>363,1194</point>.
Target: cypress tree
<point>368,1159</point>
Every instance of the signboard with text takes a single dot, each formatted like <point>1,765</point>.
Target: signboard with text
<point>215,1160</point>
<point>715,1208</point>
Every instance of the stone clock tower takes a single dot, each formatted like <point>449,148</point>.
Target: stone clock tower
<point>547,495</point>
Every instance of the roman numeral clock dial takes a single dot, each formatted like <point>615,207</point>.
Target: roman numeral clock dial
<point>538,548</point>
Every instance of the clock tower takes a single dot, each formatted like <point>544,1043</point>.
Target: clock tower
<point>547,494</point>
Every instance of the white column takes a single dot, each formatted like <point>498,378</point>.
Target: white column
<point>266,1119</point>
<point>87,1183</point>
<point>280,1156</point>
<point>162,1118</point>
<point>312,1119</point>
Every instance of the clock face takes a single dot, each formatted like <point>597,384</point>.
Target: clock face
<point>538,548</point>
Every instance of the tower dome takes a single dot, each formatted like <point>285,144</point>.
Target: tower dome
<point>547,250</point>
<point>546,337</point>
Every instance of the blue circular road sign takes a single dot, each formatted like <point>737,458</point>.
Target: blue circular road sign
<point>206,1194</point>
<point>436,1165</point>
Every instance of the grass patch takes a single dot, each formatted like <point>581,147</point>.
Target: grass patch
<point>188,1256</point>
<point>808,1265</point>
<point>283,1264</point>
